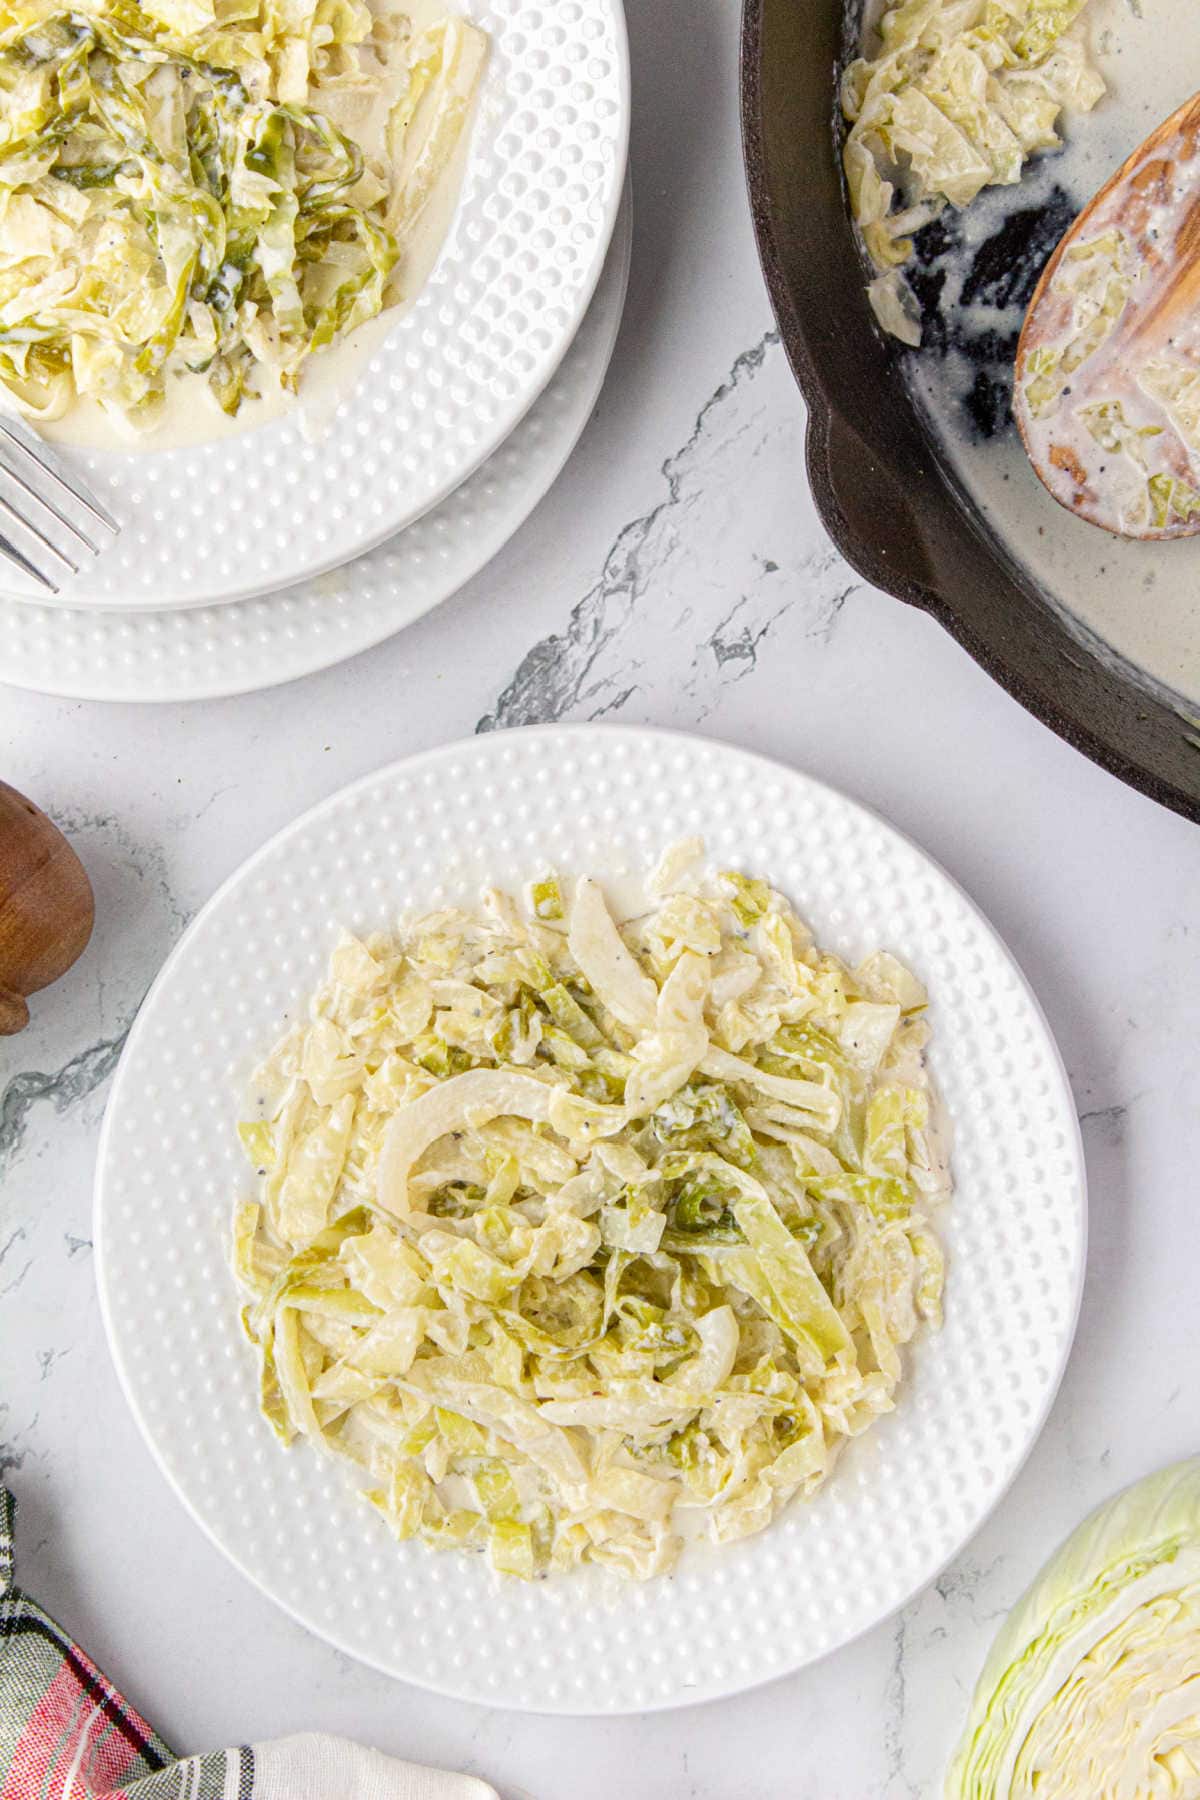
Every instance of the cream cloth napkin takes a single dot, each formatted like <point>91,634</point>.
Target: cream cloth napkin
<point>328,1768</point>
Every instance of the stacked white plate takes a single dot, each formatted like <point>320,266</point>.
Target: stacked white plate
<point>450,434</point>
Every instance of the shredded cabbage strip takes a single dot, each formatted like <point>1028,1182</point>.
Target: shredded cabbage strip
<point>956,97</point>
<point>177,194</point>
<point>581,1238</point>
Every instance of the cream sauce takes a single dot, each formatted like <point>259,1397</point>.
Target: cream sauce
<point>191,416</point>
<point>1139,602</point>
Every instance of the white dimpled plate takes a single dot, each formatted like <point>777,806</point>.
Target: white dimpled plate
<point>904,1498</point>
<point>202,652</point>
<point>249,514</point>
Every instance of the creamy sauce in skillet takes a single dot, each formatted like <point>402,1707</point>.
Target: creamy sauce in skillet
<point>976,272</point>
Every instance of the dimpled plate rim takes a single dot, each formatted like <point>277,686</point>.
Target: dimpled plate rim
<point>976,1394</point>
<point>245,646</point>
<point>450,377</point>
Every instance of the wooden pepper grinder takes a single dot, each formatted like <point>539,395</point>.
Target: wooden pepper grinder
<point>46,906</point>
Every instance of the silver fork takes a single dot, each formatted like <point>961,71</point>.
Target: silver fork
<point>45,490</point>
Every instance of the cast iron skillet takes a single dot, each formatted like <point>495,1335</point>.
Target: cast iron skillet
<point>884,499</point>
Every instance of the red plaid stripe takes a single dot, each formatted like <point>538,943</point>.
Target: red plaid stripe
<point>80,1740</point>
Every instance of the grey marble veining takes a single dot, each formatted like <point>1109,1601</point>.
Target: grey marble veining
<point>579,672</point>
<point>628,634</point>
<point>677,575</point>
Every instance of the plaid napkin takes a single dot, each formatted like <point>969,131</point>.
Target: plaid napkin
<point>66,1733</point>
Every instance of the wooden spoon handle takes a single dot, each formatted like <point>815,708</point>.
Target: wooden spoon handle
<point>1152,326</point>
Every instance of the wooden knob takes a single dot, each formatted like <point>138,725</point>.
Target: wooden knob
<point>14,1013</point>
<point>47,909</point>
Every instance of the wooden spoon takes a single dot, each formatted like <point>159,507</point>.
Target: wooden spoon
<point>46,906</point>
<point>1108,406</point>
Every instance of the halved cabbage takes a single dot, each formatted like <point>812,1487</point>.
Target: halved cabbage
<point>193,185</point>
<point>572,1233</point>
<point>1093,1685</point>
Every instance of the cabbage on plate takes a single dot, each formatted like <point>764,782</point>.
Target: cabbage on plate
<point>1092,1689</point>
<point>579,1238</point>
<point>220,187</point>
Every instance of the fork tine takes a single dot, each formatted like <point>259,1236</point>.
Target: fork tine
<point>47,543</point>
<point>18,557</point>
<point>49,463</point>
<point>15,475</point>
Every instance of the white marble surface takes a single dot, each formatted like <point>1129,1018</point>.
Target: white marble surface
<point>676,575</point>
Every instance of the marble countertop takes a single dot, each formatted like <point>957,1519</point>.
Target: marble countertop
<point>676,575</point>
